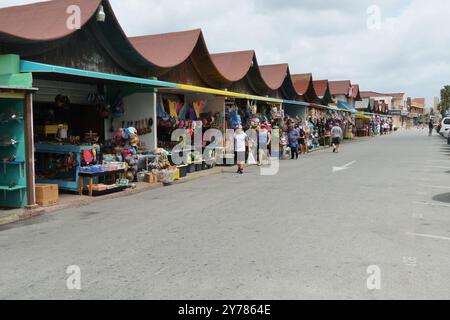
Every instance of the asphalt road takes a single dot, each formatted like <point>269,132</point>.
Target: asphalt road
<point>305,233</point>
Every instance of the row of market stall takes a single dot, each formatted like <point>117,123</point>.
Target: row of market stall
<point>91,111</point>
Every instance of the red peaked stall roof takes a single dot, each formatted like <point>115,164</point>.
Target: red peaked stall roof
<point>304,86</point>
<point>170,50</point>
<point>152,55</point>
<point>278,78</point>
<point>321,87</point>
<point>356,94</point>
<point>43,25</point>
<point>234,65</point>
<point>167,50</point>
<point>44,21</point>
<point>242,65</point>
<point>340,87</point>
<point>274,75</point>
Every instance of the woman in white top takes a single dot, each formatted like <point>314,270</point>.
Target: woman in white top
<point>240,144</point>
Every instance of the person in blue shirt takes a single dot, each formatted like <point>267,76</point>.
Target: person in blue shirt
<point>293,142</point>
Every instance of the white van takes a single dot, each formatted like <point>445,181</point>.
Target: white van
<point>445,130</point>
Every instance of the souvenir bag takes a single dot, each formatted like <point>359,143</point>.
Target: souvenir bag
<point>251,159</point>
<point>88,157</point>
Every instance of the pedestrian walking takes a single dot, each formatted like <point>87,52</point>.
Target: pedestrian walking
<point>240,143</point>
<point>293,142</point>
<point>337,135</point>
<point>431,127</point>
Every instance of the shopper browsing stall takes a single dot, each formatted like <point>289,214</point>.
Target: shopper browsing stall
<point>265,139</point>
<point>302,139</point>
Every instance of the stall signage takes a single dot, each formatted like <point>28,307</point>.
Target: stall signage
<point>395,112</point>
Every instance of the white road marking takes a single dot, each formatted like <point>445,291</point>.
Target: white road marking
<point>421,193</point>
<point>427,236</point>
<point>346,167</point>
<point>437,167</point>
<point>160,271</point>
<point>432,204</point>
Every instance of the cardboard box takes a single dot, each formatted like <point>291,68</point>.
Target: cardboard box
<point>47,195</point>
<point>148,177</point>
<point>151,178</point>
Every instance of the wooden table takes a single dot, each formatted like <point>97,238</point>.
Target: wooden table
<point>91,177</point>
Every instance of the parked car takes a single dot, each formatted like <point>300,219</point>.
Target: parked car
<point>445,130</point>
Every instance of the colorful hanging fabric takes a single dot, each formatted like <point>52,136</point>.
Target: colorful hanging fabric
<point>192,113</point>
<point>198,108</point>
<point>189,129</point>
<point>161,111</point>
<point>173,109</point>
<point>179,108</point>
<point>183,112</point>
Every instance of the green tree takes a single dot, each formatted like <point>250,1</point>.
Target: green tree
<point>444,106</point>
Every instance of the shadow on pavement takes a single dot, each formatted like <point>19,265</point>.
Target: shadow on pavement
<point>27,222</point>
<point>445,197</point>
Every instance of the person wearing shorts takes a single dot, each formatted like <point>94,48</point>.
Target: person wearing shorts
<point>302,141</point>
<point>336,134</point>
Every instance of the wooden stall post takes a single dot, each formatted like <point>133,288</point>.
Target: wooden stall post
<point>29,149</point>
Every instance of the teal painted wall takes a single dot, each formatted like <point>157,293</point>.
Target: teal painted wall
<point>10,172</point>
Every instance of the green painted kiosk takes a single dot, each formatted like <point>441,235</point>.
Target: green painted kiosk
<point>16,144</point>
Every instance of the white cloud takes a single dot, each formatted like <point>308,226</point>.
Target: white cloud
<point>326,37</point>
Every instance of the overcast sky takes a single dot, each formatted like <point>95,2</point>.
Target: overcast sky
<point>408,51</point>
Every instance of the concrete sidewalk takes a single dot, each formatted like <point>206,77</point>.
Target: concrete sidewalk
<point>74,201</point>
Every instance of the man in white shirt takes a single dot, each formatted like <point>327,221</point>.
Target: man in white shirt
<point>240,144</point>
<point>336,134</point>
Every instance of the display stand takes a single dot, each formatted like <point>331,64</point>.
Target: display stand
<point>72,183</point>
<point>92,176</point>
<point>12,153</point>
